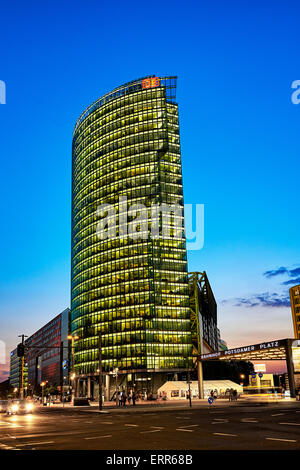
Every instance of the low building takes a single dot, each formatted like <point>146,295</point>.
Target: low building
<point>262,384</point>
<point>267,380</point>
<point>177,390</point>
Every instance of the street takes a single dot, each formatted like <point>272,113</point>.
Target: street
<point>240,426</point>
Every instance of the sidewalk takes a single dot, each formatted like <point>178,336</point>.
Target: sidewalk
<point>173,404</point>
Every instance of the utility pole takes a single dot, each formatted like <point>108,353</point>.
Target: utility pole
<point>72,338</point>
<point>189,382</point>
<point>61,372</point>
<point>115,373</point>
<point>100,371</point>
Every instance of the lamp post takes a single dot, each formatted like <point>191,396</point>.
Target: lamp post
<point>72,377</point>
<point>43,385</point>
<point>115,373</point>
<point>189,382</point>
<point>100,371</point>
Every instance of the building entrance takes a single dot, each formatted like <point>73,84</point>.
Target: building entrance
<point>283,349</point>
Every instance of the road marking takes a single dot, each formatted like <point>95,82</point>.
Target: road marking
<point>185,430</point>
<point>4,446</point>
<point>190,426</point>
<point>132,425</point>
<point>154,430</point>
<point>157,427</point>
<point>107,422</point>
<point>278,414</point>
<point>34,443</point>
<point>292,424</point>
<point>223,434</point>
<point>3,423</point>
<point>48,434</point>
<point>249,420</point>
<point>277,439</point>
<point>97,437</point>
<point>219,421</point>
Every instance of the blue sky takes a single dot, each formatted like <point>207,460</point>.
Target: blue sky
<point>235,63</point>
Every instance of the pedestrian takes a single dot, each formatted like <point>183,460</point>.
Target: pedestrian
<point>215,396</point>
<point>235,395</point>
<point>124,398</point>
<point>120,398</point>
<point>133,398</point>
<point>129,397</point>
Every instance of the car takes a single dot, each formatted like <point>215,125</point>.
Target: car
<point>20,407</point>
<point>3,406</point>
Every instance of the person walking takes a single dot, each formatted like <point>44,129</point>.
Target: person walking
<point>124,398</point>
<point>120,398</point>
<point>133,398</point>
<point>129,397</point>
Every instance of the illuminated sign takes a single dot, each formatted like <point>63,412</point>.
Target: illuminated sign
<point>245,349</point>
<point>150,82</point>
<point>260,367</point>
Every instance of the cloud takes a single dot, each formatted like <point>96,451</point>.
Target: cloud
<point>265,299</point>
<point>276,272</point>
<point>294,282</point>
<point>294,274</point>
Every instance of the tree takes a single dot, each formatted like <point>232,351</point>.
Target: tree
<point>5,390</point>
<point>228,370</point>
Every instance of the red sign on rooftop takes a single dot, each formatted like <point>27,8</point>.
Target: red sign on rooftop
<point>150,82</point>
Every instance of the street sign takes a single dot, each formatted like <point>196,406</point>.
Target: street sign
<point>210,400</point>
<point>253,375</point>
<point>260,375</point>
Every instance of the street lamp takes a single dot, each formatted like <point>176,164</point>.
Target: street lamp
<point>43,385</point>
<point>72,377</point>
<point>115,374</point>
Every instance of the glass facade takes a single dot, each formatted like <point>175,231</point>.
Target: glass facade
<point>16,371</point>
<point>295,306</point>
<point>45,356</point>
<point>133,290</point>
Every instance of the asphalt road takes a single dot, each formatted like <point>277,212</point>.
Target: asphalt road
<point>238,427</point>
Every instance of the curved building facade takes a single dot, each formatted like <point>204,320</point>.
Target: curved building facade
<point>132,289</point>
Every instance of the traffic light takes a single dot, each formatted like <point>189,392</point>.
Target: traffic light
<point>20,350</point>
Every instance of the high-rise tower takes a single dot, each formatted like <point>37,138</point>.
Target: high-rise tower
<point>135,291</point>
